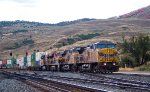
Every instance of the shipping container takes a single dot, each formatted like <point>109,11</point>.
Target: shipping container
<point>14,61</point>
<point>20,62</point>
<point>29,60</point>
<point>0,64</point>
<point>33,59</point>
<point>9,64</point>
<point>25,61</point>
<point>4,62</point>
<point>38,58</point>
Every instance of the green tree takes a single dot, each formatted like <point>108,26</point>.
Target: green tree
<point>138,46</point>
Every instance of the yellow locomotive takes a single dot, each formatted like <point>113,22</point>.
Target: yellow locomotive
<point>102,57</point>
<point>98,57</point>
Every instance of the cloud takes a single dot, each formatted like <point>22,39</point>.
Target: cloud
<point>23,1</point>
<point>20,1</point>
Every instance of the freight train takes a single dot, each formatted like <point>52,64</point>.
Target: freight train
<point>99,57</point>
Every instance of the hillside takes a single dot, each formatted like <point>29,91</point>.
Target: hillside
<point>22,37</point>
<point>143,13</point>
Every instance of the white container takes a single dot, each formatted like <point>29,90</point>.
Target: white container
<point>9,62</point>
<point>29,60</point>
<point>38,58</point>
<point>0,62</point>
<point>20,61</point>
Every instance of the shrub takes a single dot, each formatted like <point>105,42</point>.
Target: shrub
<point>87,36</point>
<point>19,31</point>
<point>145,67</point>
<point>21,43</point>
<point>127,60</point>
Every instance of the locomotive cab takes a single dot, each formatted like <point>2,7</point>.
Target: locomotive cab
<point>107,57</point>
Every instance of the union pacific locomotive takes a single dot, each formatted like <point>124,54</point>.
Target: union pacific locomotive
<point>98,57</point>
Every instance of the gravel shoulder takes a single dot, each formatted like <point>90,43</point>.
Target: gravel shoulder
<point>12,85</point>
<point>134,72</point>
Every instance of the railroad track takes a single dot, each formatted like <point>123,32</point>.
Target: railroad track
<point>123,83</point>
<point>118,79</point>
<point>95,79</point>
<point>46,85</point>
<point>131,74</point>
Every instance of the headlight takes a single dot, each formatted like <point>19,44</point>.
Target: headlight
<point>105,64</point>
<point>114,63</point>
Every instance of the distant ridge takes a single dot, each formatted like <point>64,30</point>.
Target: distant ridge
<point>64,23</point>
<point>73,22</point>
<point>143,13</point>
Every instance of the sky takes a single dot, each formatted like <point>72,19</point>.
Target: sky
<point>54,11</point>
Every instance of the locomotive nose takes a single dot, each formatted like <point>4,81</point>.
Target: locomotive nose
<point>107,54</point>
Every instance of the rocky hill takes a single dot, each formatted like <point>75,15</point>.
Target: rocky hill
<point>140,13</point>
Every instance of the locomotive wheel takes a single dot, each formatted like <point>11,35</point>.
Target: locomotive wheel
<point>80,69</point>
<point>43,68</point>
<point>95,69</point>
<point>110,72</point>
<point>47,68</point>
<point>73,68</point>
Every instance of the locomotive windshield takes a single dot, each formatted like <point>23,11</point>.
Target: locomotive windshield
<point>100,46</point>
<point>111,46</point>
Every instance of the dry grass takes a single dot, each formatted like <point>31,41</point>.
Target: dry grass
<point>127,69</point>
<point>145,67</point>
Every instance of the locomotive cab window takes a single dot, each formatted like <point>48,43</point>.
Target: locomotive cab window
<point>91,47</point>
<point>100,46</point>
<point>111,46</point>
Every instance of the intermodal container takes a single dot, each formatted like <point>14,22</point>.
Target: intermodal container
<point>9,64</point>
<point>0,64</point>
<point>29,60</point>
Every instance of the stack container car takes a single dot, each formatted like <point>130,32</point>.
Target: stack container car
<point>38,60</point>
<point>35,61</point>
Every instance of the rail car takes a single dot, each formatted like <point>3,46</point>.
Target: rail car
<point>98,57</point>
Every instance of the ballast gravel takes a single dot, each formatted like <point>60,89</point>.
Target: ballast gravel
<point>49,74</point>
<point>99,86</point>
<point>12,85</point>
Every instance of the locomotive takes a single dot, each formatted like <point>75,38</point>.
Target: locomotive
<point>101,57</point>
